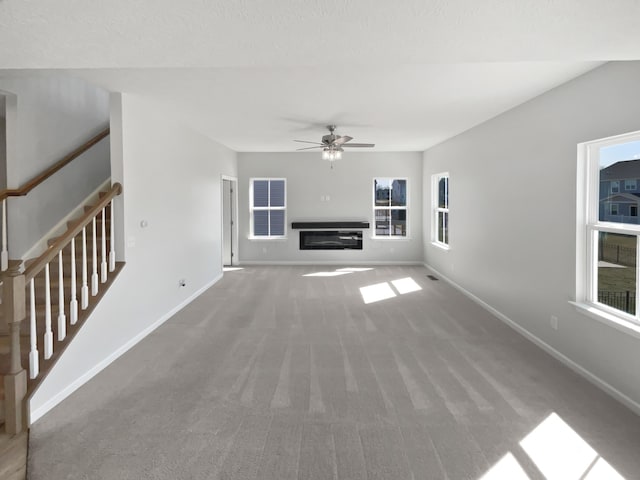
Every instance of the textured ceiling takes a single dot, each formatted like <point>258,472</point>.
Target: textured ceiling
<point>254,75</point>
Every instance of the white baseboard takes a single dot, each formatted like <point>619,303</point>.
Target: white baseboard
<point>92,372</point>
<point>579,369</point>
<point>61,227</point>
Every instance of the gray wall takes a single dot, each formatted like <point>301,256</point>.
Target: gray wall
<point>349,187</point>
<point>171,179</point>
<point>513,215</point>
<point>53,116</point>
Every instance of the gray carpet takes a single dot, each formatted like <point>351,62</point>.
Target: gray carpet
<point>274,375</point>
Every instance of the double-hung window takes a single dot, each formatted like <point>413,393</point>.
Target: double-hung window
<point>390,207</point>
<point>608,246</point>
<point>268,207</point>
<point>440,209</point>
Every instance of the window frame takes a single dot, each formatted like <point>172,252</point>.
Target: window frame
<point>588,227</point>
<point>268,208</point>
<point>436,210</point>
<point>630,185</point>
<point>391,208</point>
<point>617,183</point>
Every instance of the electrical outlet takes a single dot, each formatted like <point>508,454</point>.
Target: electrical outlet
<point>554,322</point>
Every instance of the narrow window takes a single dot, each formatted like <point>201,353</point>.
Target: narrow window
<point>390,207</point>
<point>440,209</point>
<point>268,207</point>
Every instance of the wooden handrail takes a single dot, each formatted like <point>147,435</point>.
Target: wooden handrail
<point>35,181</point>
<point>36,267</point>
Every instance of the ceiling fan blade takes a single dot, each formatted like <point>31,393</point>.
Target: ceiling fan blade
<point>342,140</point>
<point>365,145</point>
<point>309,148</point>
<point>306,141</point>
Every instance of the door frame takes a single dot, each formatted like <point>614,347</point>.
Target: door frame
<point>234,218</point>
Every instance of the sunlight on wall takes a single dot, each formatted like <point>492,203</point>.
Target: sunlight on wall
<point>560,453</point>
<point>507,468</point>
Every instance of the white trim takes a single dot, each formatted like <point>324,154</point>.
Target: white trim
<point>607,318</point>
<point>93,371</point>
<point>391,208</point>
<point>41,245</point>
<point>234,219</point>
<point>579,369</point>
<point>436,209</point>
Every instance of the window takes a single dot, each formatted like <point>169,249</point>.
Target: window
<point>390,207</point>
<point>608,246</point>
<point>268,207</point>
<point>630,184</point>
<point>615,186</point>
<point>440,208</point>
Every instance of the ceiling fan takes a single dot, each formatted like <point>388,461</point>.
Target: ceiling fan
<point>332,145</point>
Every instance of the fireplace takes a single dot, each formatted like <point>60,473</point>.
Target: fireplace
<point>331,240</point>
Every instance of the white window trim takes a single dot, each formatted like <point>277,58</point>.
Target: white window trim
<point>407,235</point>
<point>252,236</point>
<point>587,227</point>
<point>630,185</point>
<point>436,209</point>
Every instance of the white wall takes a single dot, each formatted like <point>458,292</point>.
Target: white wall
<point>350,189</point>
<point>513,215</point>
<point>53,115</point>
<point>171,179</point>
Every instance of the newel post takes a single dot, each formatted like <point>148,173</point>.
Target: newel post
<point>15,382</point>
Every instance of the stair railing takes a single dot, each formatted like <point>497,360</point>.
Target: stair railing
<point>15,282</point>
<point>16,297</point>
<point>34,182</point>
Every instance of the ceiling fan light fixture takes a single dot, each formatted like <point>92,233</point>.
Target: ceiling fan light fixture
<point>331,154</point>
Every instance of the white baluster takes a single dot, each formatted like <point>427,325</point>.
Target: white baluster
<point>62,318</point>
<point>94,274</point>
<point>4,255</point>
<point>73,304</point>
<point>84,291</point>
<point>112,252</point>
<point>48,334</point>
<point>103,265</point>
<point>34,363</point>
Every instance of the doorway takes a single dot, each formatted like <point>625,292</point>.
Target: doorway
<point>229,222</point>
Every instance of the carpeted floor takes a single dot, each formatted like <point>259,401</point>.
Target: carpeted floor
<point>272,374</point>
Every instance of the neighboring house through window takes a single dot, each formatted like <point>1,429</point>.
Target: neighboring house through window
<point>440,209</point>
<point>268,198</point>
<point>390,207</point>
<point>608,244</point>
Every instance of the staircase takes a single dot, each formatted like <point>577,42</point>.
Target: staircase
<point>46,300</point>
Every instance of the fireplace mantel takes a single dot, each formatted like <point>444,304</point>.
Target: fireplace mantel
<point>329,224</point>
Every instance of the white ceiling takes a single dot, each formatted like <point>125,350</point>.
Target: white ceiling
<point>254,75</point>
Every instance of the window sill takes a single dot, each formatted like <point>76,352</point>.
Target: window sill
<point>271,239</point>
<point>607,318</point>
<point>387,238</point>
<point>441,246</point>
